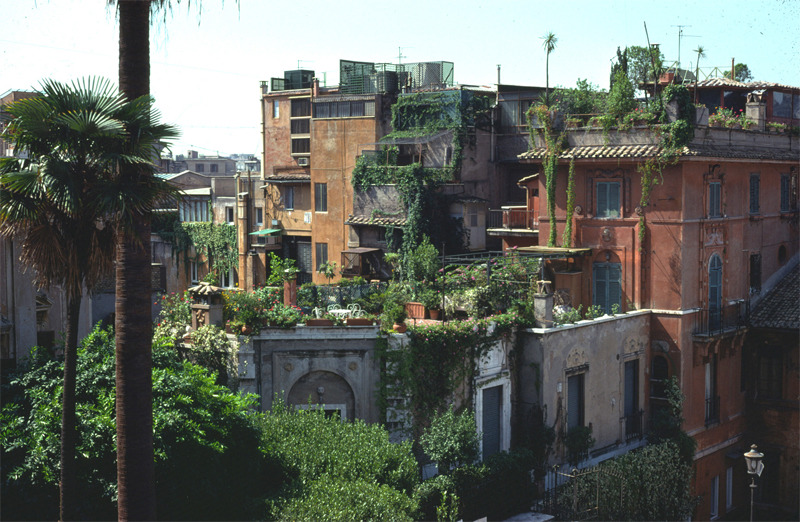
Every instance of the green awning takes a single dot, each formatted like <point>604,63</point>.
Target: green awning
<point>266,232</point>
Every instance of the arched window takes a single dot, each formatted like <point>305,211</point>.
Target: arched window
<point>714,292</point>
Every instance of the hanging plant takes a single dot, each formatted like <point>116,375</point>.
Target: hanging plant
<point>566,239</point>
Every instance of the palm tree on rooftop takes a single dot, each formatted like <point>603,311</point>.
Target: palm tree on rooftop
<point>701,53</point>
<point>548,44</point>
<point>65,200</point>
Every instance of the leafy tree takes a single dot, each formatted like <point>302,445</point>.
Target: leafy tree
<point>208,455</point>
<point>667,423</point>
<point>66,201</point>
<point>741,72</point>
<point>585,98</point>
<point>640,63</point>
<point>336,470</point>
<point>549,42</point>
<point>451,440</point>
<point>621,99</point>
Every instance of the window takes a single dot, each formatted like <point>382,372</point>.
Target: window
<point>607,286</point>
<point>781,105</point>
<point>301,108</point>
<point>200,167</point>
<point>658,377</point>
<point>382,234</point>
<point>770,373</point>
<point>322,254</point>
<point>321,197</point>
<point>276,112</point>
<point>227,279</point>
<point>301,126</point>
<point>755,273</point>
<point>229,214</point>
<point>729,489</point>
<point>714,199</point>
<point>492,419</point>
<point>288,198</point>
<point>632,419</point>
<point>259,217</point>
<point>755,181</point>
<point>712,400</point>
<point>214,167</point>
<point>575,401</point>
<point>193,209</point>
<point>713,495</point>
<point>193,271</point>
<point>472,215</point>
<point>714,292</point>
<point>608,201</point>
<point>788,193</point>
<point>301,145</point>
<point>344,109</point>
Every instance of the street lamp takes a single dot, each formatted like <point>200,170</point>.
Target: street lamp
<point>754,467</point>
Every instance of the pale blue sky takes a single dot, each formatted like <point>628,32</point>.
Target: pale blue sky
<point>206,69</point>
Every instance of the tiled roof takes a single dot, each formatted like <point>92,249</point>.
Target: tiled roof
<point>780,308</point>
<point>288,176</point>
<point>727,82</point>
<point>398,221</point>
<point>649,151</point>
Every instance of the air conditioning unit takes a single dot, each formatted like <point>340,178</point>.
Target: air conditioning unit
<point>275,223</point>
<point>303,162</point>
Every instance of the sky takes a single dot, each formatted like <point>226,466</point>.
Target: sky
<point>207,63</point>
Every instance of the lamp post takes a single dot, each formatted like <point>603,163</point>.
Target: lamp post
<point>754,467</point>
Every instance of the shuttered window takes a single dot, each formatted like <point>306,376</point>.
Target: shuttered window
<point>714,291</point>
<point>607,285</point>
<point>714,199</point>
<point>491,420</point>
<point>608,200</point>
<point>755,182</point>
<point>575,401</point>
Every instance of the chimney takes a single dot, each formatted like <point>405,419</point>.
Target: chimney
<point>756,110</point>
<point>315,87</point>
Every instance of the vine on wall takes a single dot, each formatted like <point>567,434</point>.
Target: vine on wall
<point>566,239</point>
<point>554,146</point>
<point>437,361</point>
<point>215,241</point>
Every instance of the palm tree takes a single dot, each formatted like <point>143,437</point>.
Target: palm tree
<point>65,200</point>
<point>548,44</point>
<point>701,53</point>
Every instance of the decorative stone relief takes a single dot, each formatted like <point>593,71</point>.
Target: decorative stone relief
<point>353,366</point>
<point>288,366</point>
<point>714,237</point>
<point>632,345</point>
<point>577,357</point>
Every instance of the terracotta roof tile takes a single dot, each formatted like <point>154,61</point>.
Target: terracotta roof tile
<point>727,82</point>
<point>383,221</point>
<point>780,308</point>
<point>649,151</point>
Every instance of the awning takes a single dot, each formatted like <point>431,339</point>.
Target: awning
<point>360,250</point>
<point>266,232</point>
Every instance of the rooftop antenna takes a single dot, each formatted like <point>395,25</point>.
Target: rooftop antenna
<point>681,35</point>
<point>306,61</point>
<point>400,54</point>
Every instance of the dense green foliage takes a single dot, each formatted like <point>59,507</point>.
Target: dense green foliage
<point>215,241</point>
<point>653,483</point>
<point>209,465</point>
<point>549,163</point>
<point>336,470</point>
<point>741,72</point>
<point>667,423</point>
<point>451,440</point>
<point>621,98</point>
<point>585,98</point>
<point>640,61</point>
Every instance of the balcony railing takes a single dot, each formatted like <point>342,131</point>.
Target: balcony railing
<point>712,410</point>
<point>513,218</point>
<point>716,321</point>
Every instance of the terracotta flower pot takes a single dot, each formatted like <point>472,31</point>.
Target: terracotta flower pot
<point>434,313</point>
<point>319,322</point>
<point>399,327</point>
<point>415,310</point>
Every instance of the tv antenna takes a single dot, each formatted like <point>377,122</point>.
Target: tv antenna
<point>306,61</point>
<point>400,54</point>
<point>680,36</point>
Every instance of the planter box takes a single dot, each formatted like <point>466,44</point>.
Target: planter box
<point>319,322</point>
<point>701,116</point>
<point>415,310</point>
<point>358,321</point>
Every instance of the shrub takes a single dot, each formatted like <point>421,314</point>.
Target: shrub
<point>451,440</point>
<point>208,462</point>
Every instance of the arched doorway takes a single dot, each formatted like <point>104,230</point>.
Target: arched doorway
<point>326,390</point>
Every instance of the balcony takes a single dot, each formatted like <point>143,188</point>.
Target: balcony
<point>633,426</point>
<point>730,318</point>
<point>712,410</point>
<point>516,220</point>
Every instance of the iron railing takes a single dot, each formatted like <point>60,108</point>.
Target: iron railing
<point>715,321</point>
<point>712,410</point>
<point>633,426</point>
<point>513,217</point>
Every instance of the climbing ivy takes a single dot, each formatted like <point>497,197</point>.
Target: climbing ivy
<point>566,239</point>
<point>674,136</point>
<point>437,360</point>
<point>215,241</point>
<point>554,146</point>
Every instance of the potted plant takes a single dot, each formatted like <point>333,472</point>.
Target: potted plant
<point>432,301</point>
<point>396,316</point>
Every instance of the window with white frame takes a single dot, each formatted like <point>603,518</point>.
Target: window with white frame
<point>713,496</point>
<point>194,272</point>
<point>276,109</point>
<point>229,214</point>
<point>259,217</point>
<point>227,278</point>
<point>608,199</point>
<point>194,209</point>
<point>288,197</point>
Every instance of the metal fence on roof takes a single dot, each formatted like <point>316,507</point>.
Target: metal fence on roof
<point>371,78</point>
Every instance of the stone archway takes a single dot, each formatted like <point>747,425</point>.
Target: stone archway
<point>324,388</point>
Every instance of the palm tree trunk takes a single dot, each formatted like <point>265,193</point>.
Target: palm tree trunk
<point>69,435</point>
<point>547,80</point>
<point>134,393</point>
